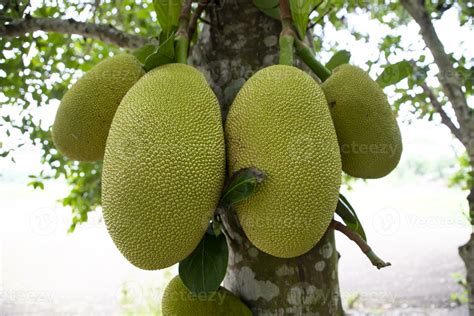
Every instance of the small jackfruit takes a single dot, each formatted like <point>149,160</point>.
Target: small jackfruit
<point>179,301</point>
<point>164,166</point>
<point>86,111</point>
<point>280,123</point>
<point>367,131</point>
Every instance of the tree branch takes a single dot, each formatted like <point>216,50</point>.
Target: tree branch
<point>438,107</point>
<point>195,17</point>
<point>105,33</point>
<point>364,247</point>
<point>451,83</point>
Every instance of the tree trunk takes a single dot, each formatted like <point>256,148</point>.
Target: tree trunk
<point>466,252</point>
<point>239,41</point>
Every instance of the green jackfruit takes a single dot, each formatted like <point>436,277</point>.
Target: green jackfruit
<point>86,111</point>
<point>280,123</point>
<point>179,301</point>
<point>164,166</point>
<point>367,131</point>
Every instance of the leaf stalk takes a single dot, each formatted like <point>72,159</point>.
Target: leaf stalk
<point>182,36</point>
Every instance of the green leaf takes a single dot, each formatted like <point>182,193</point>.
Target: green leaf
<point>36,185</point>
<point>204,269</point>
<point>266,4</point>
<point>164,54</point>
<point>5,153</point>
<point>339,58</point>
<point>167,12</point>
<point>272,12</point>
<point>241,185</point>
<point>345,210</point>
<point>143,52</point>
<point>395,73</point>
<point>300,10</point>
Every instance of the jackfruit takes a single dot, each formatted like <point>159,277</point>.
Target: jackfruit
<point>86,111</point>
<point>280,123</point>
<point>367,131</point>
<point>179,301</point>
<point>164,166</point>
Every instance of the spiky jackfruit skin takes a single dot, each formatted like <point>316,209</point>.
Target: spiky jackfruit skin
<point>280,123</point>
<point>164,166</point>
<point>368,133</point>
<point>179,301</point>
<point>86,111</point>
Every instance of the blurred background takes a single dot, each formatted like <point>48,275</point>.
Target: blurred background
<point>416,217</point>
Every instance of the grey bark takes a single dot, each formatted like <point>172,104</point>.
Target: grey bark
<point>105,33</point>
<point>239,42</point>
<point>452,87</point>
<point>466,252</point>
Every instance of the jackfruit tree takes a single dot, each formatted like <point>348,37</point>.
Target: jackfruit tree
<point>213,137</point>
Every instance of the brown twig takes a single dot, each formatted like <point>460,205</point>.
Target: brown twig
<point>313,24</point>
<point>196,16</point>
<point>352,235</point>
<point>285,12</point>
<point>438,107</point>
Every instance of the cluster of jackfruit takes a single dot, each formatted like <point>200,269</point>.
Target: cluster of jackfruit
<point>161,137</point>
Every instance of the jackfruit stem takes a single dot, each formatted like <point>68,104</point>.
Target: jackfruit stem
<point>182,37</point>
<point>287,36</point>
<point>355,237</point>
<point>286,50</point>
<point>306,54</point>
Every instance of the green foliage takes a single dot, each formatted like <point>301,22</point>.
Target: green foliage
<point>345,210</point>
<point>143,52</point>
<point>37,69</point>
<point>394,73</point>
<point>241,185</point>
<point>339,58</point>
<point>462,177</point>
<point>205,268</point>
<point>300,10</point>
<point>460,297</point>
<point>168,12</point>
<point>165,53</point>
<point>269,7</point>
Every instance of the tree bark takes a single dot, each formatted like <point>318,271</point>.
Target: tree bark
<point>466,252</point>
<point>239,42</point>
